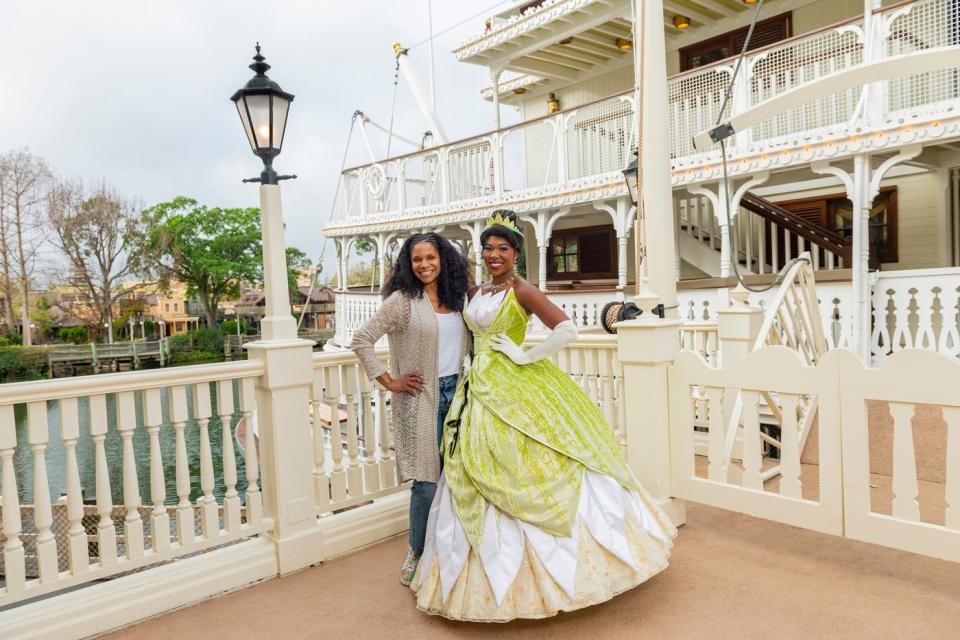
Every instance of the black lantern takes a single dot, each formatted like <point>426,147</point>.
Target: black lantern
<point>263,108</point>
<point>630,176</point>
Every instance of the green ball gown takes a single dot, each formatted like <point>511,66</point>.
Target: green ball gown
<point>536,511</point>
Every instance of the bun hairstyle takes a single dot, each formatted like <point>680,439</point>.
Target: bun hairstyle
<point>454,277</point>
<point>503,224</point>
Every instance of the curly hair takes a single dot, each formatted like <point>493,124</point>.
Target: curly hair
<point>454,279</point>
<point>513,238</point>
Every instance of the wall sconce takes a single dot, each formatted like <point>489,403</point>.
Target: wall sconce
<point>553,105</point>
<point>681,22</point>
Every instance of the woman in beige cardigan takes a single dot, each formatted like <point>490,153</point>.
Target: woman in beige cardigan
<point>421,317</point>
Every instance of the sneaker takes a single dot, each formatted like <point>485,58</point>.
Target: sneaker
<point>409,568</point>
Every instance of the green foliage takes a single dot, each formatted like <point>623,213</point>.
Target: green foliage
<point>74,335</point>
<point>211,250</point>
<point>362,245</point>
<point>11,339</point>
<point>195,357</point>
<point>229,327</point>
<point>22,363</point>
<point>297,263</point>
<point>204,339</point>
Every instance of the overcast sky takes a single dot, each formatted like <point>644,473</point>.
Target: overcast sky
<point>136,93</point>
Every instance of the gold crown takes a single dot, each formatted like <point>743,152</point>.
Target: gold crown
<point>502,221</point>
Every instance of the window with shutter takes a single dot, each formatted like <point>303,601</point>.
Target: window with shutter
<point>586,253</point>
<point>729,44</point>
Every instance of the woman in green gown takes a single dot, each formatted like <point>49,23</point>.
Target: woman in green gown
<point>536,511</point>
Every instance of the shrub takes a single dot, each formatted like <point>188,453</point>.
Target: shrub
<point>229,327</point>
<point>22,363</point>
<point>195,357</point>
<point>74,335</point>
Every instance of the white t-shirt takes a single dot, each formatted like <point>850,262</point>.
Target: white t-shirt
<point>450,327</point>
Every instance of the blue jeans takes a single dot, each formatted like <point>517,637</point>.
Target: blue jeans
<point>421,493</point>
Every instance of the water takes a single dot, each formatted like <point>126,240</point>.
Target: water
<point>56,453</point>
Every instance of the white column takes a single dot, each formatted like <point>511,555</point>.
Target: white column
<point>495,82</point>
<point>647,347</point>
<point>861,255</point>
<point>620,215</point>
<point>475,228</point>
<point>282,405</point>
<point>543,229</point>
<point>277,323</point>
<point>657,210</point>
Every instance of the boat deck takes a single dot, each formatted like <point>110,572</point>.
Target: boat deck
<point>731,576</point>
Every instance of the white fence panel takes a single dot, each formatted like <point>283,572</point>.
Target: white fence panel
<point>809,502</point>
<point>905,380</point>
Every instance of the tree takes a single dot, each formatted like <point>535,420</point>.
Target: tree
<point>212,251</point>
<point>298,264</point>
<point>99,233</point>
<point>25,181</point>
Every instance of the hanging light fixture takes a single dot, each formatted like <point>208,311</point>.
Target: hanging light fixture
<point>553,105</point>
<point>681,22</point>
<point>623,44</point>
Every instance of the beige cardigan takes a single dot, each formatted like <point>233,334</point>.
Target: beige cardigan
<point>410,325</point>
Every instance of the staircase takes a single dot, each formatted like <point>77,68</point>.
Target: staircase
<point>768,236</point>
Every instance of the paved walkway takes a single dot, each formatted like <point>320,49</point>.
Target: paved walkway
<point>731,576</point>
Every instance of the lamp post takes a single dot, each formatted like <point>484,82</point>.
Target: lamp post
<point>263,107</point>
<point>143,330</point>
<point>132,322</point>
<point>161,324</point>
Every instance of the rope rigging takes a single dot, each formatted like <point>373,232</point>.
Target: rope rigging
<point>727,193</point>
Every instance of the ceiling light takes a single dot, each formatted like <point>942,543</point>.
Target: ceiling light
<point>623,44</point>
<point>520,91</point>
<point>681,22</point>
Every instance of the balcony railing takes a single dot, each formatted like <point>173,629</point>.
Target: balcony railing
<point>594,141</point>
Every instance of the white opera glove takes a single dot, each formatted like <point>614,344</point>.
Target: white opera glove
<point>562,335</point>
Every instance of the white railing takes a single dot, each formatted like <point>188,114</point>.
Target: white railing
<point>830,485</point>
<point>75,438</point>
<point>353,309</point>
<point>591,140</point>
<point>595,139</point>
<point>763,246</point>
<point>701,338</point>
<point>916,309</point>
<point>352,441</point>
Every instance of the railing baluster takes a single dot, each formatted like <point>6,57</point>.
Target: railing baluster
<point>253,497</point>
<point>387,465</point>
<point>905,486</point>
<point>951,415</point>
<point>14,558</point>
<point>321,481</point>
<point>186,527</point>
<point>752,445</point>
<point>132,522</point>
<point>39,436</point>
<point>371,472</point>
<point>338,478</point>
<point>209,516</point>
<point>716,453</point>
<point>789,447</point>
<point>77,536</point>
<point>159,518</point>
<point>354,472</point>
<point>106,531</point>
<point>231,499</point>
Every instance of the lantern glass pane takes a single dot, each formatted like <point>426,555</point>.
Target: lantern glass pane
<point>280,108</point>
<point>242,110</point>
<point>259,107</point>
